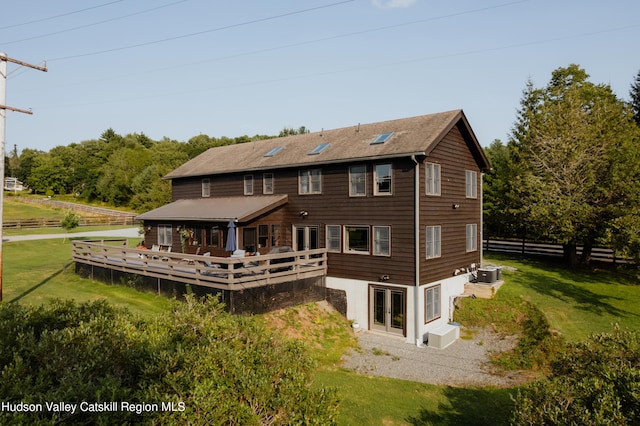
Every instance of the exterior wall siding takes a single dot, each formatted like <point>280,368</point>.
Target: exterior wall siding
<point>334,206</point>
<point>454,158</point>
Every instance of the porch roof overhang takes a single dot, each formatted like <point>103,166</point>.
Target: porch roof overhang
<point>216,209</point>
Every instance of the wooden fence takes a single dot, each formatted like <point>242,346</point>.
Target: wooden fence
<point>55,223</point>
<point>226,273</point>
<point>90,215</point>
<point>599,254</point>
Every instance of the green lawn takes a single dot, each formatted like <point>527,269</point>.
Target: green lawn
<point>37,271</point>
<point>13,209</point>
<point>372,400</point>
<point>576,303</point>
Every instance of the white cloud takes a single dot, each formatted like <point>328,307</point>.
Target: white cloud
<point>393,4</point>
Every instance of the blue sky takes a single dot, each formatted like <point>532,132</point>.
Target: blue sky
<point>176,69</point>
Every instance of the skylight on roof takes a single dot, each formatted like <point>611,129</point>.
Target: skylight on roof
<point>274,151</point>
<point>381,138</point>
<point>318,149</point>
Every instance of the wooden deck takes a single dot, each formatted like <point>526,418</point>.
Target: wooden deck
<point>223,273</point>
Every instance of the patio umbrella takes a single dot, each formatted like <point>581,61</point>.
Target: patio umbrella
<point>231,237</point>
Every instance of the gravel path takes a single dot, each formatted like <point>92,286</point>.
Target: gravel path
<point>463,363</point>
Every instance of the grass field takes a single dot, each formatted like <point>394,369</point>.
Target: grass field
<point>576,303</point>
<point>13,209</point>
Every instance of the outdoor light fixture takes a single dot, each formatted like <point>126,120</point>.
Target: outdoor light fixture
<point>385,278</point>
<point>303,213</point>
<point>455,206</point>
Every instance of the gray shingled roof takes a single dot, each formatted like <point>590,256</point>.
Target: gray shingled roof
<point>220,209</point>
<point>416,135</point>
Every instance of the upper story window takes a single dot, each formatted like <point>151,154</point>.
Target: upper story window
<point>433,242</point>
<point>248,185</point>
<point>310,181</point>
<point>206,188</point>
<point>382,177</point>
<point>472,184</point>
<point>433,178</point>
<point>357,181</point>
<point>472,237</point>
<point>267,183</point>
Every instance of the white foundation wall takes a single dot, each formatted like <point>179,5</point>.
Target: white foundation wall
<point>357,293</point>
<point>449,289</point>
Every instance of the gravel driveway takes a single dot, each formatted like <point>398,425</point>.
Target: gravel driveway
<point>463,363</point>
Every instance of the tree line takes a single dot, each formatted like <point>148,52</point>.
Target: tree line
<point>114,169</point>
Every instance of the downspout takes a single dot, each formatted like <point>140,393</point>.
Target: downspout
<point>416,230</point>
<point>481,221</point>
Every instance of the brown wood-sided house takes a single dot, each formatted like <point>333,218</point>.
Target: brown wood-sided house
<point>397,204</point>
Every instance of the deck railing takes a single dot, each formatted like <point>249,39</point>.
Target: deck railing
<point>227,273</point>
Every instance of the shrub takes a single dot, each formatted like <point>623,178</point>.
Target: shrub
<point>214,367</point>
<point>596,382</point>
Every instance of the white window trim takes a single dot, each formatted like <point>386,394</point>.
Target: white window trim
<point>373,237</point>
<point>471,237</point>
<point>437,179</point>
<point>375,180</point>
<point>339,249</point>
<point>264,183</point>
<point>471,187</point>
<point>248,179</point>
<point>351,193</point>
<point>165,234</point>
<point>439,240</point>
<point>309,174</point>
<point>437,304</point>
<point>206,188</point>
<point>345,240</point>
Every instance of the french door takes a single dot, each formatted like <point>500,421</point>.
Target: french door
<point>307,237</point>
<point>387,310</point>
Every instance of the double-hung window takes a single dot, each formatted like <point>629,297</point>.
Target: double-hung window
<point>248,185</point>
<point>472,184</point>
<point>432,303</point>
<point>472,237</point>
<point>383,179</point>
<point>433,242</point>
<point>206,188</point>
<point>433,178</point>
<point>382,241</point>
<point>310,181</point>
<point>267,183</point>
<point>164,235</point>
<point>333,238</point>
<point>357,181</point>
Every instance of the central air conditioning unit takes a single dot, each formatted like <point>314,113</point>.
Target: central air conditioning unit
<point>489,275</point>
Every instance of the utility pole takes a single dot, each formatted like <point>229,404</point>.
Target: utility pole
<point>4,59</point>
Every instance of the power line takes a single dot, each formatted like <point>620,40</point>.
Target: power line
<point>61,15</point>
<point>308,42</point>
<point>226,27</point>
<point>95,23</point>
